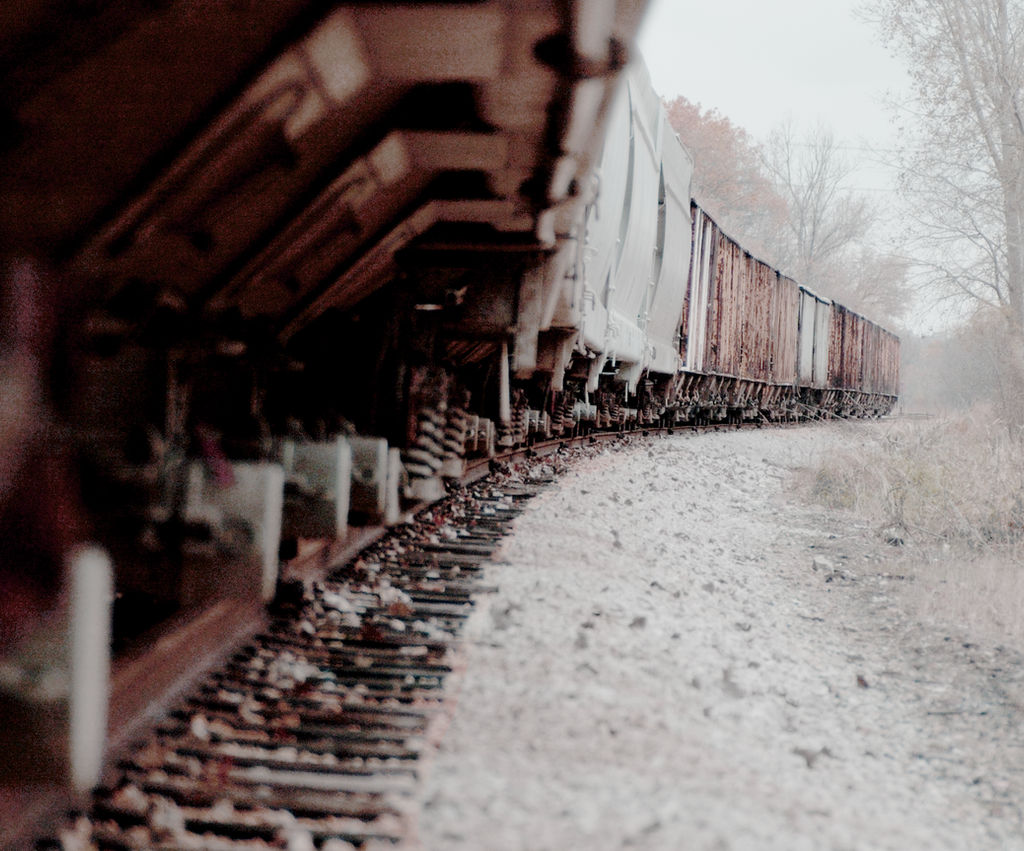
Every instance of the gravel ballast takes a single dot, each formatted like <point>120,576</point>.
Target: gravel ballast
<point>683,655</point>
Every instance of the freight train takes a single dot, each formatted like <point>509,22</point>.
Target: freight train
<point>271,271</point>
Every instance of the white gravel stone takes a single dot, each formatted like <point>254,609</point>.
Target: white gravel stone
<point>665,666</point>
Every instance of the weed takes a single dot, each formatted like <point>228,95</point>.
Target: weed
<point>952,491</point>
<point>958,481</point>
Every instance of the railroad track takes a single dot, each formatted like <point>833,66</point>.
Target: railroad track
<point>310,736</point>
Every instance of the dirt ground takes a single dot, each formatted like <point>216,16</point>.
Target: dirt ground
<point>685,655</point>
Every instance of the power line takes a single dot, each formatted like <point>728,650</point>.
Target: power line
<point>861,148</point>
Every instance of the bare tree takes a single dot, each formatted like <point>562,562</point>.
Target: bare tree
<point>786,203</point>
<point>829,240</point>
<point>824,218</point>
<point>963,170</point>
<point>867,280</point>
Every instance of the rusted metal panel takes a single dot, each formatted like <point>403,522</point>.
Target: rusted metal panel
<point>751,312</point>
<point>749,318</point>
<point>785,330</point>
<point>869,365</point>
<point>822,341</point>
<point>852,355</point>
<point>836,345</point>
<point>757,338</point>
<point>881,361</point>
<point>720,268</point>
<point>721,303</point>
<point>854,366</point>
<point>749,339</point>
<point>874,363</point>
<point>805,353</point>
<point>732,307</point>
<point>688,293</point>
<point>847,349</point>
<point>891,364</point>
<point>710,361</point>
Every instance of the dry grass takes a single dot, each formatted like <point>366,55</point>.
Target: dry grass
<point>958,481</point>
<point>982,595</point>
<point>951,492</point>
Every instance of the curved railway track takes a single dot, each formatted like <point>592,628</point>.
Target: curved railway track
<point>311,734</point>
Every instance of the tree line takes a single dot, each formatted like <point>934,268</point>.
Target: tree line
<point>956,235</point>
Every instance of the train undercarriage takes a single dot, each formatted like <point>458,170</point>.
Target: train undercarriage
<point>418,377</point>
<point>273,274</point>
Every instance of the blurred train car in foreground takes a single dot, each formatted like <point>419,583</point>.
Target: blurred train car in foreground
<point>270,273</point>
<point>263,269</point>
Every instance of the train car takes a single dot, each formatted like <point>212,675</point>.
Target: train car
<point>741,333</point>
<point>863,373</point>
<point>266,270</point>
<point>273,271</point>
<point>847,364</point>
<point>635,257</point>
<point>881,369</point>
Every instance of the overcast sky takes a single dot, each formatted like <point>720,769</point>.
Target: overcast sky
<point>758,62</point>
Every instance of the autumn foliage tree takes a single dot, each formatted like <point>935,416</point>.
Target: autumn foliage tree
<point>728,181</point>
